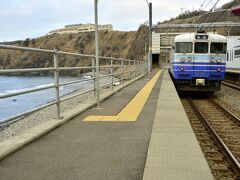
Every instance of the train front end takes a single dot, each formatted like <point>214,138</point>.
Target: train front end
<point>199,61</point>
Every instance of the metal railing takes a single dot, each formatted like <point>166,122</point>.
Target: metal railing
<point>118,68</point>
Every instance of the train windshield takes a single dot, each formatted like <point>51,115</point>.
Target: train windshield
<point>183,47</point>
<point>218,48</point>
<point>201,47</point>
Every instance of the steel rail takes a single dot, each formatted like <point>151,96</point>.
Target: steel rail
<point>4,71</point>
<point>103,76</point>
<point>75,95</point>
<point>232,85</point>
<point>106,84</point>
<point>114,66</point>
<point>75,68</point>
<point>235,118</point>
<point>75,54</point>
<point>13,47</point>
<point>237,83</point>
<point>232,160</point>
<point>108,75</point>
<point>118,59</point>
<point>75,82</point>
<point>120,79</point>
<point>30,90</point>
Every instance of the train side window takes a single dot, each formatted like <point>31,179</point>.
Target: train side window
<point>201,47</point>
<point>237,53</point>
<point>218,48</point>
<point>183,47</point>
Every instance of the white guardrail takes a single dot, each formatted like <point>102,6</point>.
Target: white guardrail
<point>132,68</point>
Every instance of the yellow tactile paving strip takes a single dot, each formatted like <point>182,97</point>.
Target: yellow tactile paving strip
<point>133,108</point>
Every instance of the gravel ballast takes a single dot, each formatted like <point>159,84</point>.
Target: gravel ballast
<point>230,99</point>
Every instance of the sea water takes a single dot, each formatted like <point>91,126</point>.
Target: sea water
<point>18,104</point>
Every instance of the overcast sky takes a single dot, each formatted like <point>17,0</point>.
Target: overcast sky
<point>21,19</point>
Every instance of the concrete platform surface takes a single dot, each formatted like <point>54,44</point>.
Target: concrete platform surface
<point>173,153</point>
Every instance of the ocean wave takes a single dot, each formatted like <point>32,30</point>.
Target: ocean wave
<point>24,89</point>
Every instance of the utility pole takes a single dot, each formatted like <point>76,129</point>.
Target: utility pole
<point>97,53</point>
<point>150,39</point>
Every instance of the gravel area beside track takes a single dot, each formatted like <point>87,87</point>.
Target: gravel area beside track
<point>230,99</point>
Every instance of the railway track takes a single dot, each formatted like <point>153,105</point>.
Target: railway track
<point>231,84</point>
<point>218,133</point>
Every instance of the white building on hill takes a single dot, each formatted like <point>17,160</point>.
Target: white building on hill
<point>80,28</point>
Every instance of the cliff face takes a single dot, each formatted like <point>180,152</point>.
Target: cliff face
<point>112,44</point>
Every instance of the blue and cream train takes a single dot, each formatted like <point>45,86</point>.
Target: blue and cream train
<point>198,61</point>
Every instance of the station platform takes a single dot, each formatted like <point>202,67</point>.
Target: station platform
<point>141,132</point>
<point>173,152</point>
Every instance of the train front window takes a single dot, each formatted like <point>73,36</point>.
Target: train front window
<point>183,47</point>
<point>218,48</point>
<point>201,47</point>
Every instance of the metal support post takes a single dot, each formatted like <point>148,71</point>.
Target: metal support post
<point>146,57</point>
<point>129,69</point>
<point>94,75</point>
<point>56,75</point>
<point>135,69</point>
<point>97,53</point>
<point>112,75</point>
<point>150,39</point>
<point>122,78</point>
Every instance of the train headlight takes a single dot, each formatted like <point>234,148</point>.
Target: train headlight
<point>212,60</point>
<point>182,59</point>
<point>189,59</point>
<point>181,69</point>
<point>218,70</point>
<point>218,60</point>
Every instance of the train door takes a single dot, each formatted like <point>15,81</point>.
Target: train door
<point>201,59</point>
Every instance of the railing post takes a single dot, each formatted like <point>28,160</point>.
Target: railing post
<point>135,70</point>
<point>57,84</point>
<point>112,75</point>
<point>94,76</point>
<point>129,70</point>
<point>122,71</point>
<point>146,66</point>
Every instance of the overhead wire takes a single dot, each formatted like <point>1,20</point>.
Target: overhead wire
<point>208,4</point>
<point>207,13</point>
<point>202,4</point>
